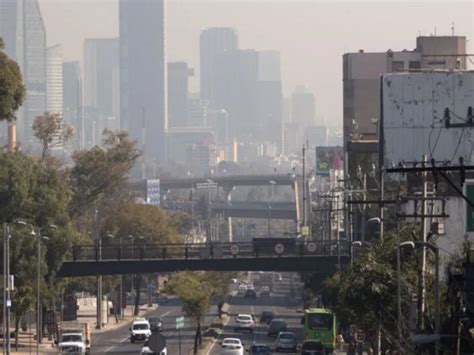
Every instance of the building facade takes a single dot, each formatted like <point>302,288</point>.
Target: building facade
<point>213,41</point>
<point>72,101</point>
<point>143,75</point>
<point>22,30</point>
<point>178,78</point>
<point>54,82</point>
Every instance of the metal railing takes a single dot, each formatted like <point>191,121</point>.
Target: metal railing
<point>260,249</point>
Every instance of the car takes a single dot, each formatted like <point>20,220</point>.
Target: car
<point>140,330</point>
<point>244,323</point>
<point>312,347</point>
<point>259,349</point>
<point>146,350</point>
<point>286,341</point>
<point>232,346</point>
<point>267,317</point>
<point>233,281</point>
<point>242,289</point>
<point>155,324</point>
<point>276,326</point>
<point>264,291</point>
<point>250,294</point>
<point>250,287</point>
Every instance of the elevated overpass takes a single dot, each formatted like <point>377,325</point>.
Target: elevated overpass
<point>287,255</point>
<point>269,210</point>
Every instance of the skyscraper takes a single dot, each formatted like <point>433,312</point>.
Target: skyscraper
<point>54,82</point>
<point>178,74</point>
<point>72,100</point>
<point>101,75</point>
<point>143,81</point>
<point>213,41</point>
<point>22,29</point>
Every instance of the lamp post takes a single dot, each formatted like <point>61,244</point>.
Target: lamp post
<point>6,289</point>
<point>39,239</point>
<point>99,320</point>
<point>132,240</point>
<point>435,250</point>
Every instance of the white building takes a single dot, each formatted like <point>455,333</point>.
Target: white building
<point>54,79</point>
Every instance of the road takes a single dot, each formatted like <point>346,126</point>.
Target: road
<point>282,302</point>
<point>117,341</point>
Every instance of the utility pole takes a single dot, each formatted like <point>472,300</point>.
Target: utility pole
<point>99,277</point>
<point>422,281</point>
<point>6,289</point>
<point>305,222</point>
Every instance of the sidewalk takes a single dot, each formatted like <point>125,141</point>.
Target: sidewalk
<point>27,344</point>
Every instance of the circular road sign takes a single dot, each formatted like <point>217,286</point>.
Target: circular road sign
<point>156,342</point>
<point>360,336</point>
<point>279,248</point>
<point>311,247</point>
<point>234,249</point>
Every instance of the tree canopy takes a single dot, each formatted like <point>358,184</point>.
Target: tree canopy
<point>12,91</point>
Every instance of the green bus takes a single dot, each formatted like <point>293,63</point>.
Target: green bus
<point>320,324</point>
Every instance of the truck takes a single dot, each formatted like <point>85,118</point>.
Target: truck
<point>73,338</point>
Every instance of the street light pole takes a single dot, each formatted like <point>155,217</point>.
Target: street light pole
<point>6,285</point>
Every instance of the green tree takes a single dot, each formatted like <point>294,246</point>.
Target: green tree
<point>12,91</point>
<point>51,131</point>
<point>99,178</point>
<point>183,222</point>
<point>147,224</point>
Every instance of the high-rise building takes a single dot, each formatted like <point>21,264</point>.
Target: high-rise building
<point>302,107</point>
<point>270,97</point>
<point>54,82</point>
<point>22,29</point>
<point>361,81</point>
<point>236,84</point>
<point>101,75</point>
<point>178,74</point>
<point>143,81</point>
<point>72,101</point>
<point>213,41</point>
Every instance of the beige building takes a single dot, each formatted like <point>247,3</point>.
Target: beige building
<point>361,82</point>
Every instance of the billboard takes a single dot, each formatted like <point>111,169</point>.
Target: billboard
<point>327,159</point>
<point>427,113</point>
<point>153,192</point>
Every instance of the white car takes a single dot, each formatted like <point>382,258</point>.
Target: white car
<point>146,350</point>
<point>232,346</point>
<point>140,330</point>
<point>244,322</point>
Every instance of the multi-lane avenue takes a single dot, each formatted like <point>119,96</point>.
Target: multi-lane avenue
<point>283,301</point>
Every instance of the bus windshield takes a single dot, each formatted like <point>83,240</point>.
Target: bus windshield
<point>320,321</point>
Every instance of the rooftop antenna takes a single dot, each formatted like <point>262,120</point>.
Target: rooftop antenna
<point>452,28</point>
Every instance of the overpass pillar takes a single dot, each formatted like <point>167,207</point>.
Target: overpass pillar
<point>228,197</point>
<point>296,191</point>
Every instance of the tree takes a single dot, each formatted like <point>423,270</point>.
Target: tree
<point>51,131</point>
<point>99,177</point>
<point>366,293</point>
<point>12,91</point>
<point>138,220</point>
<point>195,292</point>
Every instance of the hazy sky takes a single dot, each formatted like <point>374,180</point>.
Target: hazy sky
<point>311,35</point>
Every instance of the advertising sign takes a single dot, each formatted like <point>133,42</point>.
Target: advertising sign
<point>153,192</point>
<point>327,159</point>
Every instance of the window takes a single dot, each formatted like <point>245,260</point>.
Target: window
<point>397,66</point>
<point>317,321</point>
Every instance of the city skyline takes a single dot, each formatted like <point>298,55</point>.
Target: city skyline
<point>317,66</point>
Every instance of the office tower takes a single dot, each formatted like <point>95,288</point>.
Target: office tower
<point>213,41</point>
<point>101,76</point>
<point>54,79</point>
<point>236,84</point>
<point>22,29</point>
<point>361,80</point>
<point>178,74</point>
<point>302,107</point>
<point>143,82</point>
<point>269,98</point>
<point>197,111</point>
<point>72,101</point>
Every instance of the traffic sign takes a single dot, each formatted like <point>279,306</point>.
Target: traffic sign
<point>179,322</point>
<point>360,336</point>
<point>312,247</point>
<point>234,249</point>
<point>279,248</point>
<point>156,342</point>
